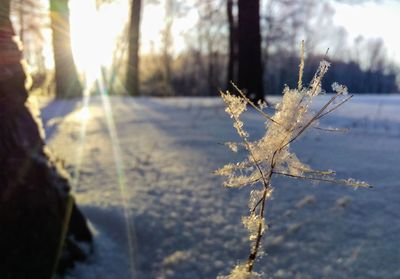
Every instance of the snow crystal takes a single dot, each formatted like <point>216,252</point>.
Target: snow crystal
<point>240,272</point>
<point>340,89</point>
<point>252,223</point>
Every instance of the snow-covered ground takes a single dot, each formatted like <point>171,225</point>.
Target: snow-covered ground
<point>147,187</point>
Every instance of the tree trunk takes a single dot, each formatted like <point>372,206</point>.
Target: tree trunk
<point>132,78</point>
<point>167,43</point>
<point>249,58</point>
<point>37,236</point>
<point>232,56</point>
<point>66,76</point>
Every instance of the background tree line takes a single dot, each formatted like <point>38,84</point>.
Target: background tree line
<point>256,45</point>
<point>252,43</point>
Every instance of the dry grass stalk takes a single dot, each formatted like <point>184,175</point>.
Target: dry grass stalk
<point>271,154</point>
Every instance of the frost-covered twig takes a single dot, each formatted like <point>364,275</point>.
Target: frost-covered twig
<point>340,130</point>
<point>252,104</point>
<point>347,182</point>
<point>335,107</point>
<point>301,67</point>
<point>271,154</point>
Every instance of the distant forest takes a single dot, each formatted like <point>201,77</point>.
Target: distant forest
<point>358,80</point>
<point>212,57</point>
<point>285,72</point>
<point>255,44</point>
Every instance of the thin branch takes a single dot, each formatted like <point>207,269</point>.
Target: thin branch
<point>320,172</point>
<point>253,105</point>
<point>315,84</point>
<point>326,53</point>
<point>256,205</point>
<point>329,180</point>
<point>314,118</point>
<point>238,185</point>
<point>335,107</point>
<point>248,146</point>
<point>318,78</point>
<point>301,67</point>
<point>265,180</point>
<point>340,130</point>
<point>254,252</point>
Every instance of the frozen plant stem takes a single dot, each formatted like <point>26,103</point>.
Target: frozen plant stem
<point>256,247</point>
<point>271,154</point>
<point>253,254</point>
<point>301,67</point>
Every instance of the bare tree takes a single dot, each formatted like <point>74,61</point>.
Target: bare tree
<point>167,40</point>
<point>211,45</point>
<point>66,76</point>
<point>173,9</point>
<point>250,73</point>
<point>285,24</point>
<point>40,223</point>
<point>232,55</point>
<point>132,77</point>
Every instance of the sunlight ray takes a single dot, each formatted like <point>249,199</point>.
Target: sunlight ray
<point>92,52</point>
<point>120,168</point>
<point>82,138</point>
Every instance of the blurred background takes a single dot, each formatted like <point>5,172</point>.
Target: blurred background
<point>190,47</point>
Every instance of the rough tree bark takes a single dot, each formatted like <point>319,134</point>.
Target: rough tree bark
<point>250,74</point>
<point>132,77</point>
<point>34,192</point>
<point>66,76</point>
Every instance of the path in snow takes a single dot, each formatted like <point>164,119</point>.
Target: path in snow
<point>188,226</point>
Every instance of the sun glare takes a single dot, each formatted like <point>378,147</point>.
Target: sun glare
<point>82,115</point>
<point>94,33</point>
<point>151,28</point>
<point>153,24</point>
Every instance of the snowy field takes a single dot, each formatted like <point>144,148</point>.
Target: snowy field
<point>146,184</point>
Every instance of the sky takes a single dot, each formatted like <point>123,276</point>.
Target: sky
<point>372,20</point>
<point>93,38</point>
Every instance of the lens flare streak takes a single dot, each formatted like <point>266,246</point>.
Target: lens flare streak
<point>120,168</point>
<point>83,119</point>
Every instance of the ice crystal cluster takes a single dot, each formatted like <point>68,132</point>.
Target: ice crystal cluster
<point>271,154</point>
<point>240,272</point>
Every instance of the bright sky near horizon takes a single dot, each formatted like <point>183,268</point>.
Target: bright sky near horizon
<point>372,20</point>
<point>94,32</point>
